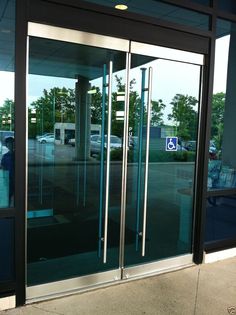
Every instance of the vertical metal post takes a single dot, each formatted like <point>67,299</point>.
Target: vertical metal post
<point>140,145</point>
<point>149,104</point>
<point>108,160</point>
<point>124,163</point>
<point>104,86</point>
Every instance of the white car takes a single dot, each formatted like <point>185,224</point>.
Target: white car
<point>95,143</point>
<point>44,135</point>
<point>47,139</point>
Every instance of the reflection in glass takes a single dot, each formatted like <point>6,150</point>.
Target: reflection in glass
<point>7,248</point>
<point>228,6</point>
<point>7,43</point>
<point>170,181</point>
<point>222,167</point>
<point>67,159</point>
<point>221,218</point>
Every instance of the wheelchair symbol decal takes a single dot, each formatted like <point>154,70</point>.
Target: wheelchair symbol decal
<point>171,143</point>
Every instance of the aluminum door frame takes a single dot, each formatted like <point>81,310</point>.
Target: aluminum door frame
<point>69,286</point>
<point>185,260</point>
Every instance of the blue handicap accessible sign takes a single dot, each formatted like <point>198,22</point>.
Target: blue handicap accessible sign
<point>171,143</point>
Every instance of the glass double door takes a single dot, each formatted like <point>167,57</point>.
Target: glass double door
<point>112,138</point>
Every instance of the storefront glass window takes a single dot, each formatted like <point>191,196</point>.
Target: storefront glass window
<point>227,5</point>
<point>7,249</point>
<point>7,43</point>
<point>163,11</point>
<point>220,207</point>
<point>222,162</point>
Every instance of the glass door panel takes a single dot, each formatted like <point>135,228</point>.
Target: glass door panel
<point>110,167</point>
<point>163,125</point>
<point>75,131</point>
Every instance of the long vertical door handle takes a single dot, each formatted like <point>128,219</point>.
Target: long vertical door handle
<point>140,146</point>
<point>124,162</point>
<point>149,104</point>
<point>101,202</point>
<point>108,160</point>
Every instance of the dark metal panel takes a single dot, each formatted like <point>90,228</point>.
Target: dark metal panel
<point>95,22</point>
<point>20,146</point>
<point>204,139</point>
<point>181,3</point>
<point>78,4</point>
<point>7,288</point>
<point>7,213</point>
<point>227,16</point>
<point>211,247</point>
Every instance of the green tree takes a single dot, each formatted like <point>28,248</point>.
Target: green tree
<point>55,105</point>
<point>184,115</point>
<point>96,106</point>
<point>157,113</point>
<point>134,109</point>
<point>217,118</point>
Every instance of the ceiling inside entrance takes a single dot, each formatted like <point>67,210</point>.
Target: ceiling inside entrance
<point>68,60</point>
<point>161,10</point>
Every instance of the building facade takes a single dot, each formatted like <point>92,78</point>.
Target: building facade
<point>151,188</point>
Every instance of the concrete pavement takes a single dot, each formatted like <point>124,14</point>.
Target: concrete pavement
<point>198,290</point>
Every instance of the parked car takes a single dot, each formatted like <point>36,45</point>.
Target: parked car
<point>45,135</point>
<point>47,139</point>
<point>95,143</point>
<point>71,142</point>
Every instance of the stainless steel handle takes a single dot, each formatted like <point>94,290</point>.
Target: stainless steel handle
<point>101,199</point>
<point>108,161</point>
<point>124,163</point>
<point>149,104</point>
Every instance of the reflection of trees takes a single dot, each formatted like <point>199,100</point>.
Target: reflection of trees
<point>134,109</point>
<point>217,118</point>
<point>184,115</point>
<point>56,105</point>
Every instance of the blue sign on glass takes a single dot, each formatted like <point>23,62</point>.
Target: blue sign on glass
<point>171,143</point>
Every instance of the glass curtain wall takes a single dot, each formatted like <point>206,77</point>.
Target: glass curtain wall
<point>7,55</point>
<point>221,202</point>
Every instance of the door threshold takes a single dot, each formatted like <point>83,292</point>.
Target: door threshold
<point>158,267</point>
<point>61,288</point>
<point>104,279</point>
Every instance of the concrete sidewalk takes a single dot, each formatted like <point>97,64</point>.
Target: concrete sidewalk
<point>198,290</point>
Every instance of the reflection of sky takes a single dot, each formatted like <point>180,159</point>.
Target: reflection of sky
<point>37,83</point>
<point>169,79</point>
<point>221,63</point>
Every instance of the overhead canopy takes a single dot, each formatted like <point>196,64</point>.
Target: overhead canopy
<point>67,60</point>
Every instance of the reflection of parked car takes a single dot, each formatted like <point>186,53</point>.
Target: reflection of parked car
<point>71,142</point>
<point>181,148</point>
<point>47,139</point>
<point>45,135</point>
<point>95,143</point>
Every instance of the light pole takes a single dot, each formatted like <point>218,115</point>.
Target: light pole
<point>6,120</point>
